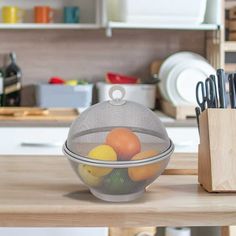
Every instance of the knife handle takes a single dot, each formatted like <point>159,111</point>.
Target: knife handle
<point>221,88</point>
<point>213,78</point>
<point>232,91</point>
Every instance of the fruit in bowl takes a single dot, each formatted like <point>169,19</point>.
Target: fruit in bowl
<point>88,178</point>
<point>104,153</point>
<point>144,172</point>
<point>118,182</point>
<point>125,142</point>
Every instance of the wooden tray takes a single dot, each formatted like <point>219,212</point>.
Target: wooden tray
<point>37,114</point>
<point>179,112</point>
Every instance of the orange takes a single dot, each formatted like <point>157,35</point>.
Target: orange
<point>144,172</point>
<point>125,143</point>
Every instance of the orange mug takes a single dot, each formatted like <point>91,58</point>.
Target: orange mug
<point>43,14</point>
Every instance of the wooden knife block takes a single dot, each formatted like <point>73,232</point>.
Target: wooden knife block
<point>217,150</point>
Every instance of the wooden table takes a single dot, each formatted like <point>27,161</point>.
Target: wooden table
<point>44,192</point>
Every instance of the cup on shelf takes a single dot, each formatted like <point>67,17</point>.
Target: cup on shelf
<point>43,14</point>
<point>12,14</point>
<point>71,14</point>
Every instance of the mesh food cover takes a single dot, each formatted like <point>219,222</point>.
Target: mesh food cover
<point>118,142</point>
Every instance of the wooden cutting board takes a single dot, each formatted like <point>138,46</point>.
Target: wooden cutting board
<point>38,114</point>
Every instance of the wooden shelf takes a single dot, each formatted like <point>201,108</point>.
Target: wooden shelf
<point>230,46</point>
<point>48,26</point>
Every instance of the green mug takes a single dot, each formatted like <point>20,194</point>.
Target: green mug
<point>71,14</point>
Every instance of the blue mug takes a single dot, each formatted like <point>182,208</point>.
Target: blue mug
<point>71,15</point>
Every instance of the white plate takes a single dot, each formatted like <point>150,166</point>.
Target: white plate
<point>169,63</point>
<point>182,79</point>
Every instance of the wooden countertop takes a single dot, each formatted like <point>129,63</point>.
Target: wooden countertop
<point>43,191</point>
<point>68,117</point>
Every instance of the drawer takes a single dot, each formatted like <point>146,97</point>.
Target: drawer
<point>32,141</point>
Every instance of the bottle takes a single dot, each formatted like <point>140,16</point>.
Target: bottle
<point>12,83</point>
<point>1,88</point>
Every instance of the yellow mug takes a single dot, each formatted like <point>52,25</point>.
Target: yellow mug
<point>12,14</point>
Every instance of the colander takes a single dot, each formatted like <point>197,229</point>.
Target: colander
<point>118,148</point>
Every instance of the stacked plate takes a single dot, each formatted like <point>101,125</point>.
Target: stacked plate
<point>179,75</point>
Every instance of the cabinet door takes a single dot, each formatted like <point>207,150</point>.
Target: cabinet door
<point>54,231</point>
<point>49,141</point>
<point>184,139</point>
<point>32,141</point>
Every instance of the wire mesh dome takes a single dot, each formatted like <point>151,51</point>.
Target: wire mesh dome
<point>110,140</point>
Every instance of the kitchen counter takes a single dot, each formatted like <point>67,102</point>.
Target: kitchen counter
<point>43,191</point>
<point>168,122</point>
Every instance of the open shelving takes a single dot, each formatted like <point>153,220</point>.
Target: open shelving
<point>49,26</point>
<point>211,22</point>
<point>90,14</point>
<point>94,15</point>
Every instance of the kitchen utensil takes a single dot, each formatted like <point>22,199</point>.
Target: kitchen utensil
<point>71,14</point>
<point>113,78</point>
<point>12,14</point>
<point>198,112</point>
<point>213,78</point>
<point>52,115</point>
<point>205,94</point>
<point>181,81</point>
<point>43,14</point>
<point>232,92</point>
<point>113,172</point>
<point>221,88</point>
<point>38,112</point>
<point>169,63</point>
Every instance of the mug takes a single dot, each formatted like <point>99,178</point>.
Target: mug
<point>43,14</point>
<point>71,14</point>
<point>12,14</point>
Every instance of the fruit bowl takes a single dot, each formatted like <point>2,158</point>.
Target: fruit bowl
<point>117,148</point>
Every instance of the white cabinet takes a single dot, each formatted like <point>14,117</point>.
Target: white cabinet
<point>54,231</point>
<point>49,140</point>
<point>39,141</point>
<point>184,139</point>
<point>32,141</point>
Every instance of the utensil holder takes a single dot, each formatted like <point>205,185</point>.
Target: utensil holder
<point>217,150</point>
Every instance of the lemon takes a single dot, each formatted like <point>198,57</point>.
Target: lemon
<point>104,153</point>
<point>71,82</point>
<point>87,177</point>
